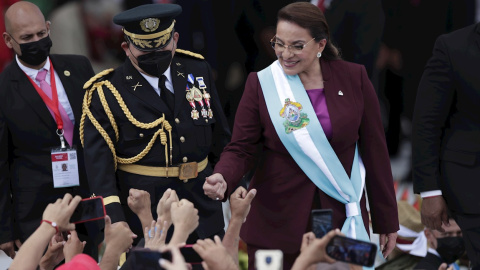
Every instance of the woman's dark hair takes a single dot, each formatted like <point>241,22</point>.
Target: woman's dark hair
<point>310,17</point>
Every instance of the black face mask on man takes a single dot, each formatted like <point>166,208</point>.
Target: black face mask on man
<point>34,53</point>
<point>450,248</point>
<point>155,63</point>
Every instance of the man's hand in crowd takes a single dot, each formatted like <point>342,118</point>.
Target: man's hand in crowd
<point>313,250</point>
<point>215,256</point>
<point>140,204</point>
<point>73,246</point>
<point>54,254</point>
<point>155,234</point>
<point>165,204</point>
<point>240,202</point>
<point>61,211</point>
<point>118,236</point>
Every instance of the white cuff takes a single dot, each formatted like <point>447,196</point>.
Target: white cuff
<point>431,193</point>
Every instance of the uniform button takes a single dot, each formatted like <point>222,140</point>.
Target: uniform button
<point>182,139</point>
<point>185,159</point>
<point>141,135</point>
<point>177,120</point>
<point>206,120</point>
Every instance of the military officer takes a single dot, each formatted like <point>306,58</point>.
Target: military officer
<point>155,122</point>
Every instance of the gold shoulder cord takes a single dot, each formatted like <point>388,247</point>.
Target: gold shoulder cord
<point>192,54</point>
<point>87,99</point>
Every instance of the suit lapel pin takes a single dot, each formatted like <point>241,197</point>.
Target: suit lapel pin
<point>136,85</point>
<point>66,73</point>
<point>180,74</point>
<point>178,64</point>
<point>128,77</point>
<point>340,93</point>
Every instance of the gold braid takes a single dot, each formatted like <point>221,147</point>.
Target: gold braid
<point>158,122</point>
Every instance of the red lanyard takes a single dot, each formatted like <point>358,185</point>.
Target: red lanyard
<point>52,104</point>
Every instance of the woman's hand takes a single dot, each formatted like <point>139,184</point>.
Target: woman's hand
<point>215,186</point>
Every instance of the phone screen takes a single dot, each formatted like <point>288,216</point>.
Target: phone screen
<point>190,255</point>
<point>269,259</point>
<point>141,258</point>
<point>89,209</point>
<point>352,251</point>
<point>321,222</point>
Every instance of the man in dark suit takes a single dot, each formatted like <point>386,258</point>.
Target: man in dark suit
<point>152,123</point>
<point>446,136</point>
<point>30,124</point>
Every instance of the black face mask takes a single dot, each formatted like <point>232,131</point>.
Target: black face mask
<point>450,248</point>
<point>155,63</point>
<point>34,53</point>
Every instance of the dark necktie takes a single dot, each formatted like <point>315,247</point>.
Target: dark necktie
<point>165,94</point>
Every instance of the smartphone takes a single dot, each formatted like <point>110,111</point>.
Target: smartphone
<point>269,259</point>
<point>352,251</point>
<point>190,255</point>
<point>89,209</point>
<point>144,258</point>
<point>321,221</point>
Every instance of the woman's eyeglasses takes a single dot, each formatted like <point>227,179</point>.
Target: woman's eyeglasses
<point>295,49</point>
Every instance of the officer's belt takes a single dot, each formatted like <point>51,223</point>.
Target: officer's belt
<point>184,171</point>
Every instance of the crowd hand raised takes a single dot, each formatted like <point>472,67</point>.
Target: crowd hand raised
<point>177,263</point>
<point>184,216</point>
<point>313,250</point>
<point>165,204</point>
<point>155,234</point>
<point>215,256</point>
<point>54,254</point>
<point>240,202</point>
<point>61,211</point>
<point>215,186</point>
<point>8,248</point>
<point>387,243</point>
<point>73,246</point>
<point>118,236</point>
<point>139,202</point>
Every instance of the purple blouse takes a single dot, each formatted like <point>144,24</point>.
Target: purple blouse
<point>317,97</point>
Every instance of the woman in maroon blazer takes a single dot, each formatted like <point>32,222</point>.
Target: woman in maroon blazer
<point>347,108</point>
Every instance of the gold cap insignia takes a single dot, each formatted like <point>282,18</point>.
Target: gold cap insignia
<point>149,24</point>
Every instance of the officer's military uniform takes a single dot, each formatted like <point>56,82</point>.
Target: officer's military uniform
<point>133,140</point>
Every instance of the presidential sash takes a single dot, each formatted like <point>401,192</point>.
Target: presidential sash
<point>299,129</point>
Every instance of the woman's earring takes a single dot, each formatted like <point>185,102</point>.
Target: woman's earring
<point>319,54</point>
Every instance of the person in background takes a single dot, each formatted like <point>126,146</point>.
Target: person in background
<point>446,137</point>
<point>443,247</point>
<point>40,109</point>
<point>317,116</point>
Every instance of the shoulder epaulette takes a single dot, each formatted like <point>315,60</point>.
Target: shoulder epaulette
<point>96,77</point>
<point>189,53</point>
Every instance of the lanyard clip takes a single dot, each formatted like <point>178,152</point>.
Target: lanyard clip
<point>62,139</point>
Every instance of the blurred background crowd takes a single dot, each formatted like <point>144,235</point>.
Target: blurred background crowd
<point>393,39</point>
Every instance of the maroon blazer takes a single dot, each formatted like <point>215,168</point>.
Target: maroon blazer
<point>280,212</point>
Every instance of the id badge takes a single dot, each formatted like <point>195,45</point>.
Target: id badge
<point>65,168</point>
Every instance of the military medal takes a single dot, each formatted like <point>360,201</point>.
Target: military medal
<point>197,95</point>
<point>191,101</point>
<point>294,118</point>
<point>206,96</point>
